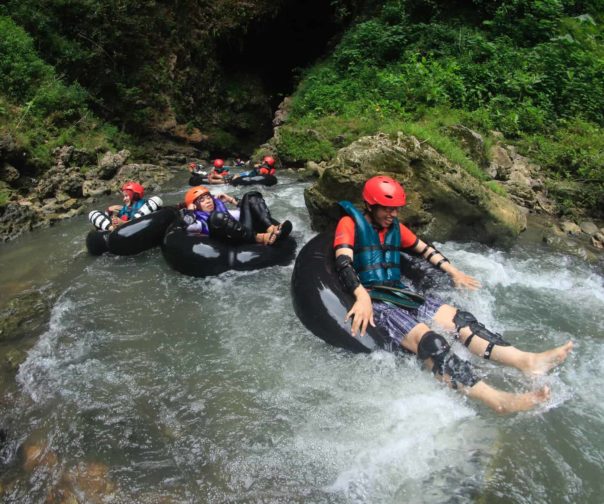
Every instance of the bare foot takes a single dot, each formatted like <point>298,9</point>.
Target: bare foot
<point>266,238</point>
<point>541,363</point>
<point>506,402</point>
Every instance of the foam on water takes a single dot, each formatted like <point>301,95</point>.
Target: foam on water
<point>212,389</point>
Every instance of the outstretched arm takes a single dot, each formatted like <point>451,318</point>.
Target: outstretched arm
<point>437,259</point>
<point>362,309</point>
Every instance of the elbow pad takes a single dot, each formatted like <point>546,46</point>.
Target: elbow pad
<point>346,273</point>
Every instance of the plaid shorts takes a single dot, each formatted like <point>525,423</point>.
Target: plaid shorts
<point>398,321</point>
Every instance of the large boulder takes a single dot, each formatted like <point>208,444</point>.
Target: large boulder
<point>444,202</point>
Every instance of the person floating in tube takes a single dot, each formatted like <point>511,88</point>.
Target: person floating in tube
<point>196,169</point>
<point>250,222</point>
<point>368,247</point>
<point>134,206</point>
<point>267,167</point>
<point>220,174</point>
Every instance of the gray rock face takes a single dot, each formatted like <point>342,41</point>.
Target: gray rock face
<point>60,192</point>
<point>16,219</point>
<point>443,200</point>
<point>472,142</point>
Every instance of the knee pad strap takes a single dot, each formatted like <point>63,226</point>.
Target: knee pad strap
<point>466,319</point>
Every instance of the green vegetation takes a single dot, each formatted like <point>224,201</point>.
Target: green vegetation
<point>39,111</point>
<point>531,70</point>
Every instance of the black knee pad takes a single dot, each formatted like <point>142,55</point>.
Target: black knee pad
<point>434,346</point>
<point>466,319</point>
<point>222,225</point>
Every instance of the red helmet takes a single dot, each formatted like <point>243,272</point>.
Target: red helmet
<point>194,193</point>
<point>135,188</point>
<point>384,191</point>
<point>218,163</point>
<point>269,160</point>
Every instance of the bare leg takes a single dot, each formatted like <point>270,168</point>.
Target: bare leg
<point>501,402</point>
<point>528,362</point>
<point>506,402</point>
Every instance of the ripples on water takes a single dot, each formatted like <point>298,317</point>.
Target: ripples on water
<point>210,390</point>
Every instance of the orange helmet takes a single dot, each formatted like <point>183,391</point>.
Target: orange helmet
<point>269,160</point>
<point>384,191</point>
<point>218,163</point>
<point>135,188</point>
<point>194,193</point>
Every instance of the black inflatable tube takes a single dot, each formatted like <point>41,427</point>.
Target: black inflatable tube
<point>197,179</point>
<point>201,256</point>
<point>320,302</point>
<point>133,237</point>
<point>265,180</point>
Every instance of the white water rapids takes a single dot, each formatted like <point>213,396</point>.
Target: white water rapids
<point>211,390</point>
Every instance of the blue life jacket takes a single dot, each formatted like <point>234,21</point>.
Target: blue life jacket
<point>375,263</point>
<point>129,211</point>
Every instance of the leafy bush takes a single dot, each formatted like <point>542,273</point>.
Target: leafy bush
<point>532,70</point>
<point>298,145</point>
<point>21,69</point>
<point>39,110</point>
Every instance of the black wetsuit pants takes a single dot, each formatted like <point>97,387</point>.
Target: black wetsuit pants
<point>254,218</point>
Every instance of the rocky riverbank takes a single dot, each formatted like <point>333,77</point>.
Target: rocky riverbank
<point>75,180</point>
<point>445,202</point>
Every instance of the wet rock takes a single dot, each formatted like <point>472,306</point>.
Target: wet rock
<point>24,315</point>
<point>597,242</point>
<point>11,358</point>
<point>36,454</point>
<point>90,480</point>
<point>443,199</point>
<point>570,228</point>
<point>588,227</point>
<point>571,246</point>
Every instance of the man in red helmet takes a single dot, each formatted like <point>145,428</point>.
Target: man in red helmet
<point>220,174</point>
<point>267,167</point>
<point>368,249</point>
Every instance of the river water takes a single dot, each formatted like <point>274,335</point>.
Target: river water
<point>153,387</point>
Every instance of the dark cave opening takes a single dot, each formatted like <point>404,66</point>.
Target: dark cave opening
<point>276,51</point>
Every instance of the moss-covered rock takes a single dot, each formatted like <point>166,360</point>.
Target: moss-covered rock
<point>443,201</point>
<point>24,315</point>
